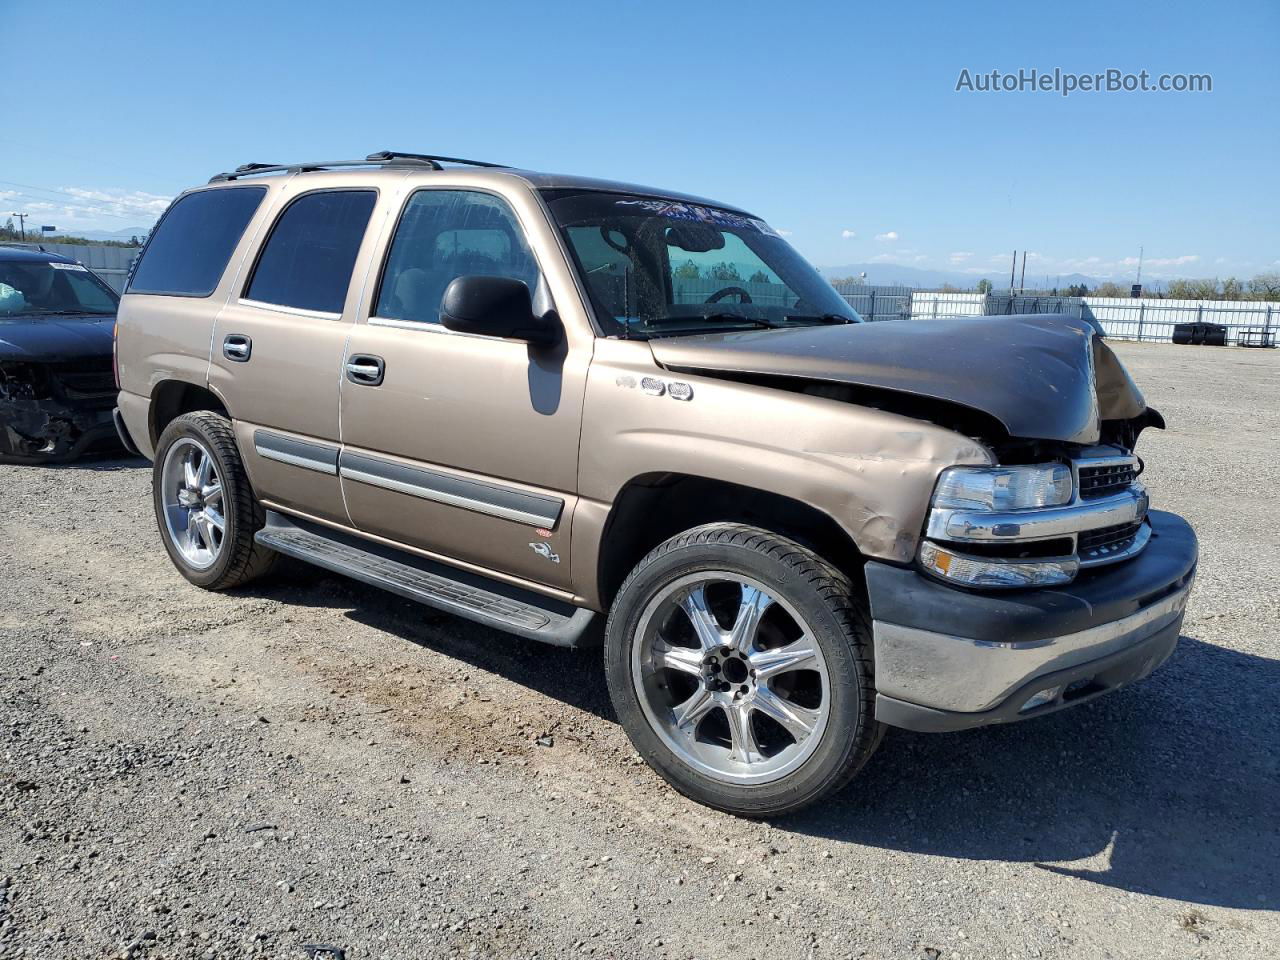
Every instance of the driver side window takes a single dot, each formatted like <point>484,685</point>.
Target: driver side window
<point>445,234</point>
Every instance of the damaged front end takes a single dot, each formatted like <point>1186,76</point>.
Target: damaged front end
<point>56,411</point>
<point>1044,396</point>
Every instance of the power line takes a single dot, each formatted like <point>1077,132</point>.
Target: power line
<point>81,205</point>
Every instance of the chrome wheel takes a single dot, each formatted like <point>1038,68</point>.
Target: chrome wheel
<point>191,494</point>
<point>731,677</point>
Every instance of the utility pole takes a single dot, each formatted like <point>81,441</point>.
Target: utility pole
<point>1138,281</point>
<point>22,224</point>
<point>1022,281</point>
<point>1012,270</point>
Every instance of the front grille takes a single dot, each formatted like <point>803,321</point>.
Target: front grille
<point>1106,541</point>
<point>86,380</point>
<point>1103,481</point>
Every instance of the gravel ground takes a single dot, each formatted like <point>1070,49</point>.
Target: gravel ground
<point>187,774</point>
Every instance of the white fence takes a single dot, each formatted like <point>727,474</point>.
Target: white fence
<point>1149,319</point>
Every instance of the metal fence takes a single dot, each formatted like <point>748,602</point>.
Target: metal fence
<point>1148,319</point>
<point>874,302</point>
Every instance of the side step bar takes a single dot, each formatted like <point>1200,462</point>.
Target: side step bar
<point>490,602</point>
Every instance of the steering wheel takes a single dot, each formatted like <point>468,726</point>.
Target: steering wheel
<point>742,295</point>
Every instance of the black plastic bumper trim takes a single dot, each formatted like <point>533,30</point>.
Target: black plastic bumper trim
<point>123,433</point>
<point>903,596</point>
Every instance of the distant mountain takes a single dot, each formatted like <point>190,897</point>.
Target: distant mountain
<point>124,234</point>
<point>901,275</point>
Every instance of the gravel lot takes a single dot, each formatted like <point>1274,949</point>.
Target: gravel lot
<point>186,774</point>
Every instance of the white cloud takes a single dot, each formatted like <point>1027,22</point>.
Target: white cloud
<point>891,235</point>
<point>900,256</point>
<point>85,208</point>
<point>847,234</point>
<point>960,256</point>
<point>1181,261</point>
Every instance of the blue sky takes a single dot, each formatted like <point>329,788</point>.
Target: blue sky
<point>837,122</point>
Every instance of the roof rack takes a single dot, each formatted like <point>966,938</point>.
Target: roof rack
<point>383,158</point>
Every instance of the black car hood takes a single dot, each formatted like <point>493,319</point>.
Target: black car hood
<point>1043,376</point>
<point>55,338</point>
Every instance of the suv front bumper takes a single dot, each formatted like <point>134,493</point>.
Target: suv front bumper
<point>950,659</point>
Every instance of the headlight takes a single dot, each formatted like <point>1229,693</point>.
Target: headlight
<point>997,489</point>
<point>996,572</point>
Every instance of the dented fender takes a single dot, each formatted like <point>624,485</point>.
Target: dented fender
<point>871,471</point>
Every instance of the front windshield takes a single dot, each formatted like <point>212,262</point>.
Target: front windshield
<point>35,288</point>
<point>660,268</point>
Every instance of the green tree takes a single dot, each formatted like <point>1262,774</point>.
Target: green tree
<point>1232,289</point>
<point>723,271</point>
<point>687,271</point>
<point>1265,286</point>
<point>759,277</point>
<point>984,285</point>
<point>1110,289</point>
<point>1193,289</point>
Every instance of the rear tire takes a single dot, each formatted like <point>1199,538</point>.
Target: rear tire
<point>205,508</point>
<point>739,663</point>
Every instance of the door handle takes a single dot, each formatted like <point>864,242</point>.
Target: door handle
<point>366,370</point>
<point>237,347</point>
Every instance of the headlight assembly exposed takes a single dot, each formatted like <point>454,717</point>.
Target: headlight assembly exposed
<point>1000,489</point>
<point>995,572</point>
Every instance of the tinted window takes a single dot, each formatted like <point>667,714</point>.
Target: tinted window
<point>445,234</point>
<point>308,258</point>
<point>194,241</point>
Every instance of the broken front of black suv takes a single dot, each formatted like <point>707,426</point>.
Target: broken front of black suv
<point>57,384</point>
<point>55,409</point>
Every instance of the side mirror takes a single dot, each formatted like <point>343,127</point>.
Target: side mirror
<point>496,307</point>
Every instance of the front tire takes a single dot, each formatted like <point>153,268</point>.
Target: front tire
<point>739,663</point>
<point>205,508</point>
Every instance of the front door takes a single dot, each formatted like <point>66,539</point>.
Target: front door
<point>278,346</point>
<point>464,446</point>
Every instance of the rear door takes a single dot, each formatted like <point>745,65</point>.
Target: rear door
<point>466,446</point>
<point>279,342</point>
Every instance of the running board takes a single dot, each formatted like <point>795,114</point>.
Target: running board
<point>490,602</point>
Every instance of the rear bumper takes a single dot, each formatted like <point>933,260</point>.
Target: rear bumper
<point>950,659</point>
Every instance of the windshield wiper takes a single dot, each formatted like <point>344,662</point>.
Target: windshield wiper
<point>827,318</point>
<point>72,313</point>
<point>736,319</point>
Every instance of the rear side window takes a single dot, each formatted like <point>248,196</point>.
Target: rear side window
<point>307,260</point>
<point>191,246</point>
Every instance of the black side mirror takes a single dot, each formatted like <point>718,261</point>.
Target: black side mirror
<point>496,307</point>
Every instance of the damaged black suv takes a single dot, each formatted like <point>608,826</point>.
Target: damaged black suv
<point>57,387</point>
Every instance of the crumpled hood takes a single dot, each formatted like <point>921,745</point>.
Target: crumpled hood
<point>55,338</point>
<point>1043,376</point>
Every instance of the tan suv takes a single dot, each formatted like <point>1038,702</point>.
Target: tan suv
<point>586,412</point>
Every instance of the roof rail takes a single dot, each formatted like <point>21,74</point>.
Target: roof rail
<point>390,156</point>
<point>384,158</point>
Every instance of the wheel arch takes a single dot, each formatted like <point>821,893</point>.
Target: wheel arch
<point>653,507</point>
<point>170,399</point>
